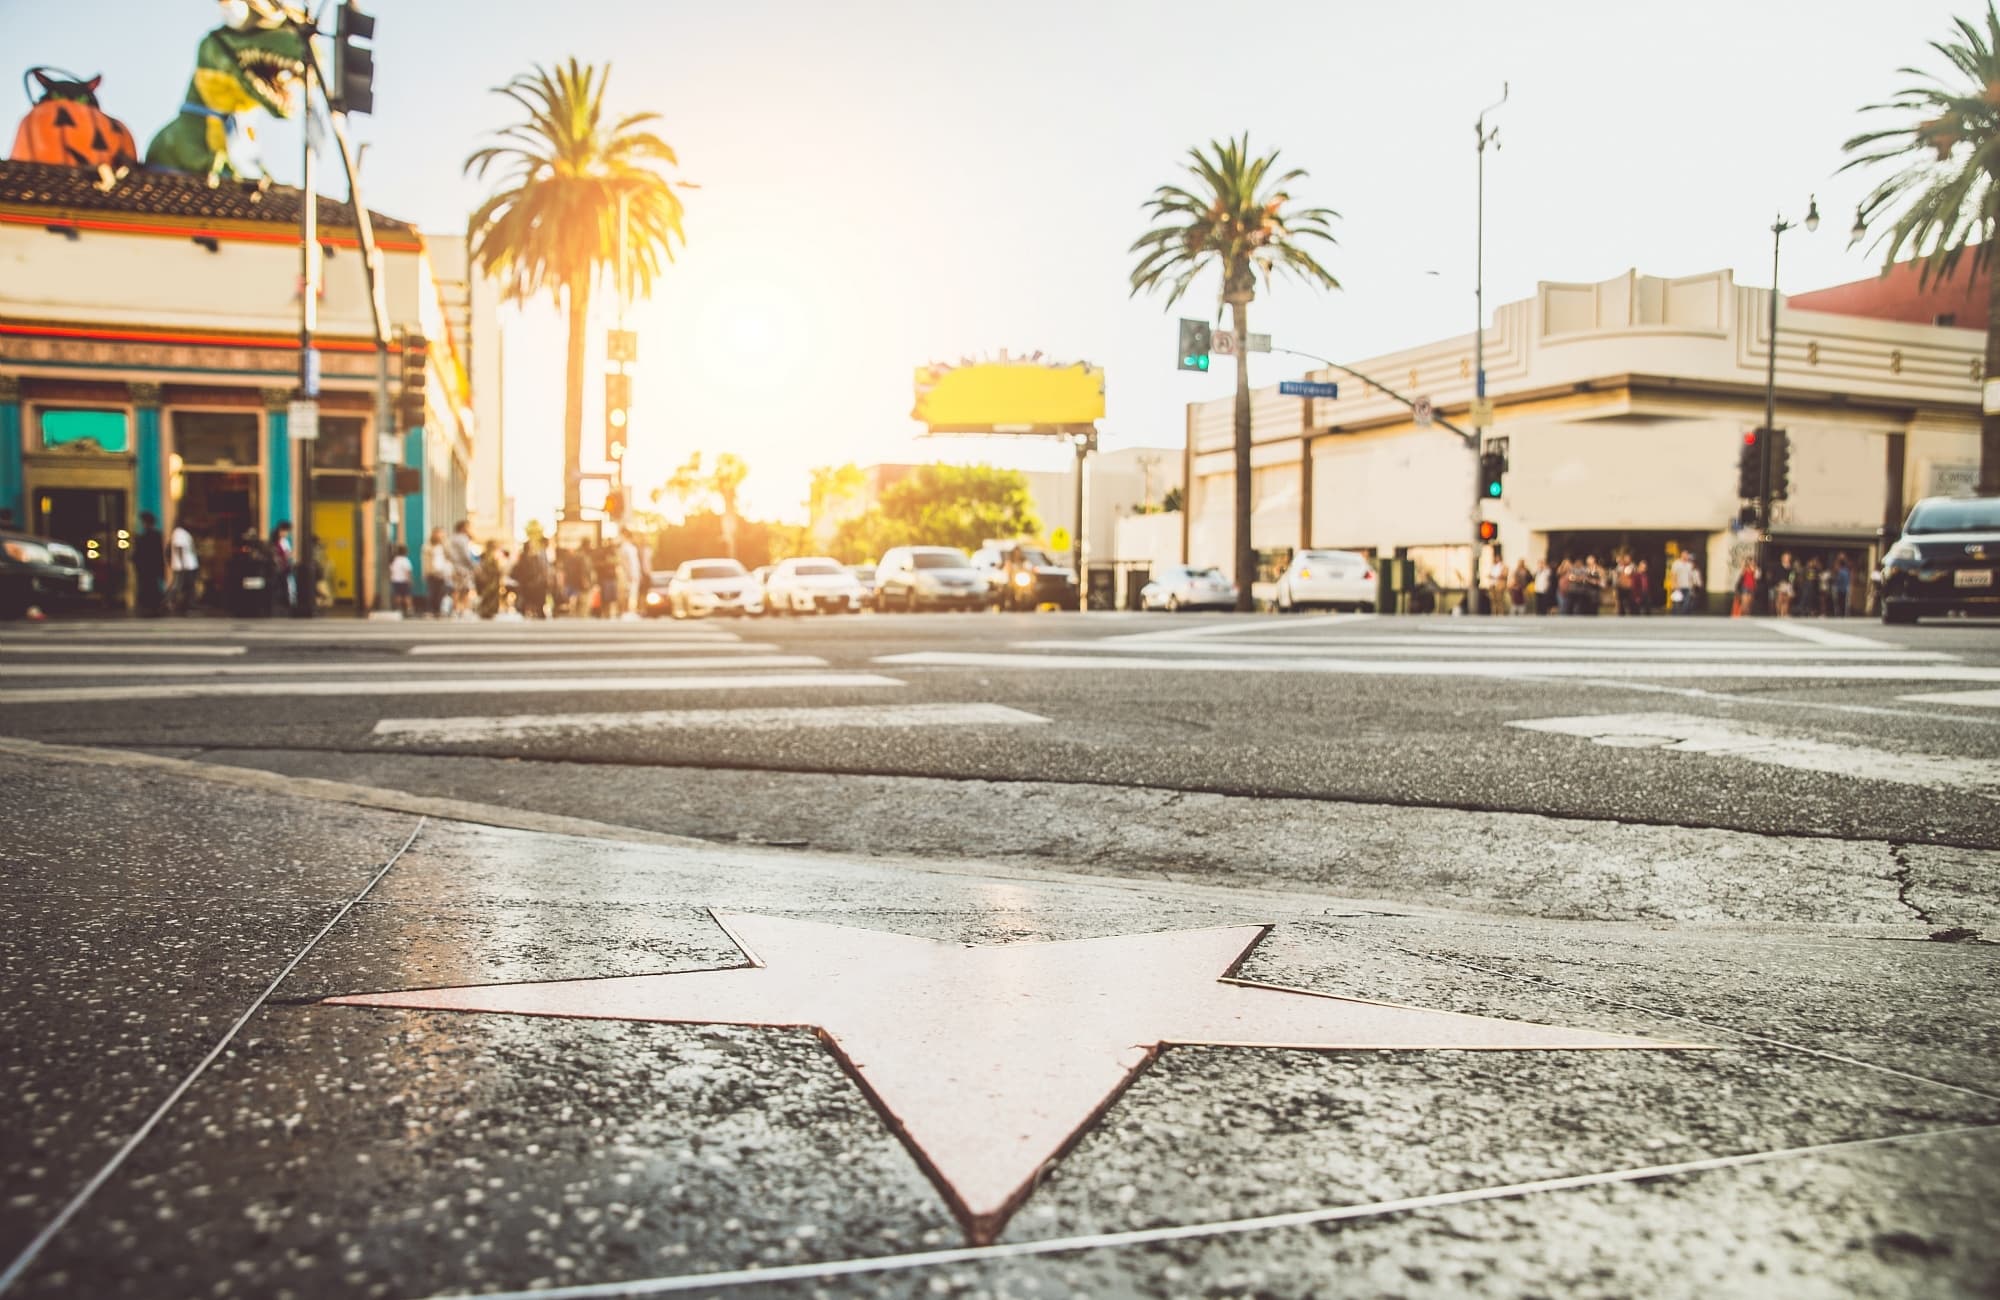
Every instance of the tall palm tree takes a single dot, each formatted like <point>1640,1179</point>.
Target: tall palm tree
<point>1237,216</point>
<point>553,226</point>
<point>1947,183</point>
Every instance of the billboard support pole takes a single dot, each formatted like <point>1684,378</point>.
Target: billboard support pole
<point>1076,546</point>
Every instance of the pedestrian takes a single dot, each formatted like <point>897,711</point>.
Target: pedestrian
<point>490,581</point>
<point>1545,587</point>
<point>1686,579</point>
<point>530,574</point>
<point>438,579</point>
<point>576,579</point>
<point>465,568</point>
<point>149,564</point>
<point>1782,593</point>
<point>318,575</point>
<point>1642,589</point>
<point>1746,591</point>
<point>186,567</point>
<point>400,584</point>
<point>1843,586</point>
<point>1590,591</point>
<point>629,574</point>
<point>1496,585</point>
<point>1520,587</point>
<point>284,578</point>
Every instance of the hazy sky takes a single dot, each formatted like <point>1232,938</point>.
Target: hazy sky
<point>884,184</point>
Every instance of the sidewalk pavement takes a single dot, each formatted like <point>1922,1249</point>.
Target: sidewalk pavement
<point>1812,1112</point>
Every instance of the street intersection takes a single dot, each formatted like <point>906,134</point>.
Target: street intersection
<point>908,955</point>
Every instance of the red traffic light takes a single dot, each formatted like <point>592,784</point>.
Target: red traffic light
<point>1488,530</point>
<point>1750,438</point>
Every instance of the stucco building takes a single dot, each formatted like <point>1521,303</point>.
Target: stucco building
<point>1624,404</point>
<point>149,347</point>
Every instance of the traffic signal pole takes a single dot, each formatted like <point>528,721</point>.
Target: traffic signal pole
<point>305,574</point>
<point>1483,136</point>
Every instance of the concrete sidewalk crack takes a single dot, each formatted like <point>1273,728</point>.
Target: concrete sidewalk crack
<point>1905,878</point>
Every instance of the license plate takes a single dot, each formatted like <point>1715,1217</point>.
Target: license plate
<point>1972,578</point>
<point>84,582</point>
<point>253,584</point>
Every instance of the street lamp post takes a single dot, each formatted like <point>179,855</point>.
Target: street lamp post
<point>1765,584</point>
<point>1483,135</point>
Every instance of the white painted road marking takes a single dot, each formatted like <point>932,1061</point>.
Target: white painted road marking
<point>1977,699</point>
<point>619,645</point>
<point>1689,734</point>
<point>443,686</point>
<point>1822,635</point>
<point>403,667</point>
<point>523,726</point>
<point>1526,647</point>
<point>93,648</point>
<point>1707,671</point>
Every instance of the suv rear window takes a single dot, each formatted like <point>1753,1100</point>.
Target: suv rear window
<point>1972,515</point>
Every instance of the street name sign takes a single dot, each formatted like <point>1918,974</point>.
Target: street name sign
<point>1307,388</point>
<point>1257,343</point>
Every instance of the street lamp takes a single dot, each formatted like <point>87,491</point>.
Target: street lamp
<point>1778,228</point>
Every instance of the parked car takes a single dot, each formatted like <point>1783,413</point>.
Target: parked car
<point>864,574</point>
<point>40,572</point>
<point>1945,561</point>
<point>928,577</point>
<point>714,586</point>
<point>1188,586</point>
<point>1020,576</point>
<point>811,585</point>
<point>1326,580</point>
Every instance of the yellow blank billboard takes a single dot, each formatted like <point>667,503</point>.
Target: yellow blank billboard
<point>1009,397</point>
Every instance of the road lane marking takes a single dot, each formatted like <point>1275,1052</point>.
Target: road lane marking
<point>445,686</point>
<point>1977,699</point>
<point>524,726</point>
<point>1537,649</point>
<point>1685,733</point>
<point>622,645</point>
<point>1254,623</point>
<point>1822,635</point>
<point>1532,669</point>
<point>403,667</point>
<point>10,647</point>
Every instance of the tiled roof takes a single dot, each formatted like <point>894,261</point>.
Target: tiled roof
<point>169,194</point>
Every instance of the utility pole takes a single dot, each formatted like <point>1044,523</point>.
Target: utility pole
<point>305,573</point>
<point>1766,436</point>
<point>1483,136</point>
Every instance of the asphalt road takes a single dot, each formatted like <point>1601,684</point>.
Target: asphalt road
<point>1769,851</point>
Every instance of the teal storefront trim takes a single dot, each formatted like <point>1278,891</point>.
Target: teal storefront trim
<point>148,469</point>
<point>415,527</point>
<point>12,476</point>
<point>278,456</point>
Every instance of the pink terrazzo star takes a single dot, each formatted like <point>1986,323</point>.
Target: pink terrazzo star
<point>990,1061</point>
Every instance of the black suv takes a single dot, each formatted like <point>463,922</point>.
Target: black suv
<point>38,571</point>
<point>1945,561</point>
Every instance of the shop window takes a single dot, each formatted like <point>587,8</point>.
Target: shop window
<point>69,429</point>
<point>339,443</point>
<point>216,437</point>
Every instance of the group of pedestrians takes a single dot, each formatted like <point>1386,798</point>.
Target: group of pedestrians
<point>1792,589</point>
<point>536,580</point>
<point>1582,585</point>
<point>259,575</point>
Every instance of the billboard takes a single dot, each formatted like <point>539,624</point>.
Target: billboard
<point>1010,397</point>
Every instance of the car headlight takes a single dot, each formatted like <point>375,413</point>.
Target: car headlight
<point>1903,553</point>
<point>1024,579</point>
<point>652,598</point>
<point>27,553</point>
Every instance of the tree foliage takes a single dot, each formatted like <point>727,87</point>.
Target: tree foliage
<point>940,505</point>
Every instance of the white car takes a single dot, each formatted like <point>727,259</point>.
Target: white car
<point>1188,586</point>
<point>718,586</point>
<point>928,577</point>
<point>817,585</point>
<point>1327,579</point>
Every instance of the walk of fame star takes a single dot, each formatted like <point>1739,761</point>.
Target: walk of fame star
<point>990,1061</point>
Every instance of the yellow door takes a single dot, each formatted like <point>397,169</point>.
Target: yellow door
<point>333,527</point>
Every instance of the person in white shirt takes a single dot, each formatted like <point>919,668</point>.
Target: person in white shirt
<point>628,574</point>
<point>1687,585</point>
<point>1496,585</point>
<point>399,580</point>
<point>185,565</point>
<point>438,571</point>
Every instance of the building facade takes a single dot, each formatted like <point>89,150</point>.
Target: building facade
<point>1624,404</point>
<point>149,349</point>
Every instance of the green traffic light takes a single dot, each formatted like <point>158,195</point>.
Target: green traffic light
<point>1493,488</point>
<point>1195,362</point>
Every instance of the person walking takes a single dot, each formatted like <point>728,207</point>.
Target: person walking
<point>465,568</point>
<point>149,564</point>
<point>530,574</point>
<point>1496,585</point>
<point>1520,587</point>
<point>438,572</point>
<point>1783,591</point>
<point>1843,586</point>
<point>186,566</point>
<point>1642,589</point>
<point>1545,587</point>
<point>1686,580</point>
<point>1746,591</point>
<point>400,584</point>
<point>629,574</point>
<point>284,574</point>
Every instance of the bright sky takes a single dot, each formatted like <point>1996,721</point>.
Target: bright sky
<point>884,184</point>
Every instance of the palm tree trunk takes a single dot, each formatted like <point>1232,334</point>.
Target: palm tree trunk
<point>1246,552</point>
<point>1989,421</point>
<point>579,331</point>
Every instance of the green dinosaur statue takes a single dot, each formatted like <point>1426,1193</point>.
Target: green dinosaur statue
<point>237,68</point>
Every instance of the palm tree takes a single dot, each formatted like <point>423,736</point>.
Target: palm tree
<point>1948,183</point>
<point>1239,217</point>
<point>572,178</point>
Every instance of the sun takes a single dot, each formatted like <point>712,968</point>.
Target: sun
<point>751,334</point>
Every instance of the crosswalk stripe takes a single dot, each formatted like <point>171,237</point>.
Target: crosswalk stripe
<point>1691,734</point>
<point>401,667</point>
<point>623,645</point>
<point>1977,699</point>
<point>525,726</point>
<point>1701,670</point>
<point>443,686</point>
<point>150,650</point>
<point>1822,635</point>
<point>1538,648</point>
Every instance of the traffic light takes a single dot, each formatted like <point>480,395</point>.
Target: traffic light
<point>416,368</point>
<point>617,414</point>
<point>614,505</point>
<point>353,88</point>
<point>1750,467</point>
<point>1488,530</point>
<point>1492,474</point>
<point>1781,465</point>
<point>1196,340</point>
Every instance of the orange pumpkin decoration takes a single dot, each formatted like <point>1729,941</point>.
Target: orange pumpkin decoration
<point>67,127</point>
